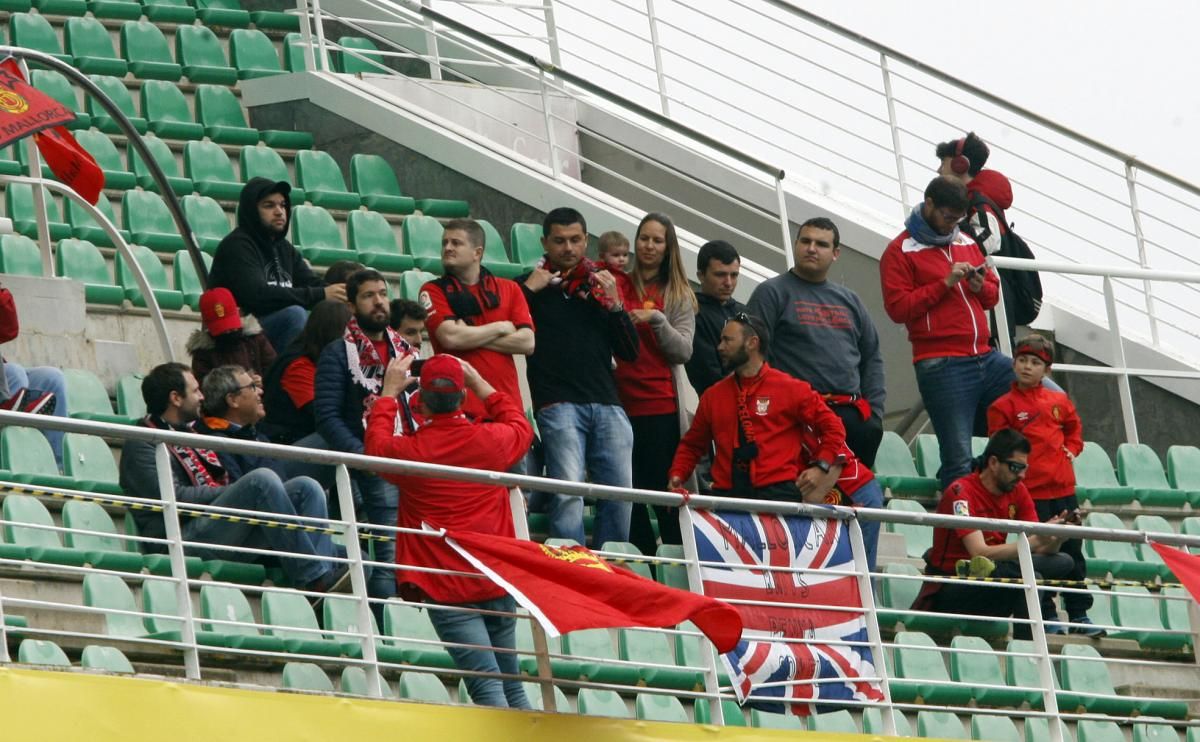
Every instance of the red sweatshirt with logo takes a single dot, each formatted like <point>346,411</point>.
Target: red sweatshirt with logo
<point>1048,419</point>
<point>941,320</point>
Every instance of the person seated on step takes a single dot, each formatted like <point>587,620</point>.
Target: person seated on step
<point>228,338</point>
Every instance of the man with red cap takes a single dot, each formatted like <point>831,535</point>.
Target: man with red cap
<point>228,339</point>
<point>450,438</point>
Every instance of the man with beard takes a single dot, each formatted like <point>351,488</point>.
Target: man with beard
<point>266,275</point>
<point>476,316</point>
<point>758,419</point>
<point>226,338</point>
<point>349,378</point>
<point>993,490</point>
<point>173,400</point>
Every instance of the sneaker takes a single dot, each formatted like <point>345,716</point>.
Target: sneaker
<point>13,403</point>
<point>37,402</point>
<point>1055,629</point>
<point>336,580</point>
<point>1087,628</point>
<point>977,566</point>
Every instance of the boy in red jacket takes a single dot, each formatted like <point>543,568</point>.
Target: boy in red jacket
<point>1048,419</point>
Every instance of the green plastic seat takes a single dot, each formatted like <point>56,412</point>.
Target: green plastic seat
<point>88,460</point>
<point>412,281</point>
<point>26,456</point>
<point>25,532</point>
<point>1038,730</point>
<point>145,49</point>
<point>20,256</point>
<point>443,208</point>
<point>372,237</point>
<point>1174,610</point>
<point>1023,673</point>
<point>495,258</point>
<point>671,575</point>
<point>978,444</point>
<point>1139,467</point>
<point>33,31</point>
<point>592,650</point>
<point>165,158</point>
<point>341,615</point>
<point>87,40</point>
<point>104,547</point>
<point>186,282</point>
<point>115,9</point>
<point>895,470</point>
<point>149,222</point>
<point>293,53</point>
<point>156,276</point>
<point>526,243</point>
<point>533,691</point>
<point>87,398</point>
<point>940,724</point>
<point>358,55</point>
<point>917,539</point>
<point>262,161</point>
<point>218,602</point>
<point>305,676</point>
<point>766,720</point>
<point>198,51</point>
<point>597,702</point>
<point>9,162</point>
<point>632,560</point>
<point>105,153</point>
<point>1183,471</point>
<point>290,617</point>
<point>526,652</point>
<point>840,722</point>
<point>929,457</point>
<point>423,686</point>
<point>16,6</point>
<point>109,659</point>
<point>1140,617</point>
<point>1096,481</point>
<point>978,670</point>
<point>732,712</point>
<point>994,728</point>
<point>411,632</point>
<point>115,89</point>
<point>655,648</point>
<point>896,596</point>
<point>211,171</point>
<point>85,227</point>
<point>161,601</point>
<point>220,113</point>
<point>222,13</point>
<point>1153,524</point>
<point>275,20</point>
<point>130,403</point>
<point>657,707</point>
<point>1118,557</point>
<point>167,112</point>
<point>873,722</point>
<point>1147,732</point>
<point>252,54</point>
<point>18,206</point>
<point>61,7</point>
<point>1082,669</point>
<point>169,11</point>
<point>111,593</point>
<point>82,261</point>
<point>1092,730</point>
<point>208,221</point>
<point>321,178</point>
<point>317,237</point>
<point>374,180</point>
<point>41,652</point>
<point>423,240</point>
<point>920,672</point>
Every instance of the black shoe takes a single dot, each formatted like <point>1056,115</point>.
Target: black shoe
<point>336,580</point>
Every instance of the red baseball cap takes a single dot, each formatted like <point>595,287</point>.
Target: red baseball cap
<point>219,312</point>
<point>442,373</point>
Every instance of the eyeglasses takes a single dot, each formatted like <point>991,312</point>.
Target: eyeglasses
<point>251,385</point>
<point>1016,467</point>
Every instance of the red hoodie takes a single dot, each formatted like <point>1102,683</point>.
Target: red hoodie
<point>1048,419</point>
<point>995,187</point>
<point>941,321</point>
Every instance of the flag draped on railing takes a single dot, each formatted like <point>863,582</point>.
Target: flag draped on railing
<point>1185,567</point>
<point>734,549</point>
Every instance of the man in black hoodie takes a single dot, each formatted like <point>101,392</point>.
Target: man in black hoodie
<point>266,275</point>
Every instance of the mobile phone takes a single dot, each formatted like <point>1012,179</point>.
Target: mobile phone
<point>1075,517</point>
<point>415,368</point>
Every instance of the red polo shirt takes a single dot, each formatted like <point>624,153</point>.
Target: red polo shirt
<point>968,497</point>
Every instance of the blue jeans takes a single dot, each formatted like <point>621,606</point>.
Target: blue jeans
<point>380,502</point>
<point>46,379</point>
<point>461,627</point>
<point>870,495</point>
<point>284,325</point>
<point>262,490</point>
<point>957,392</point>
<point>587,442</point>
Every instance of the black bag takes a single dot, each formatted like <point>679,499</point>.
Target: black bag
<point>1022,289</point>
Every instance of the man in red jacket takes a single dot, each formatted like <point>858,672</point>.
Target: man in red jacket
<point>758,418</point>
<point>451,438</point>
<point>935,282</point>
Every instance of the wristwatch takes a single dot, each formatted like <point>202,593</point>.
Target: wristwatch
<point>821,464</point>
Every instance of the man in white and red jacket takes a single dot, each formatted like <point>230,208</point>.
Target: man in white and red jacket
<point>936,284</point>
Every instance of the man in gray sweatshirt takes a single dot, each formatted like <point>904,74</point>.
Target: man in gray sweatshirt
<point>824,335</point>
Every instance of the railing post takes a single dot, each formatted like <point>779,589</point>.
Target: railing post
<point>183,593</point>
<point>544,88</point>
<point>541,648</point>
<point>1001,313</point>
<point>39,194</point>
<point>358,580</point>
<point>895,129</point>
<point>1033,606</point>
<point>431,45</point>
<point>658,64</point>
<point>785,224</point>
<point>1118,361</point>
<point>866,594</point>
<point>4,655</point>
<point>712,685</point>
<point>322,52</point>
<point>1143,260</point>
<point>552,32</point>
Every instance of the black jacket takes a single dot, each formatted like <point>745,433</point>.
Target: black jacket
<point>261,269</point>
<point>704,367</point>
<point>239,464</point>
<point>139,478</point>
<point>285,423</point>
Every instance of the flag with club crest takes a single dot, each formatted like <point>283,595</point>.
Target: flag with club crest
<point>825,606</point>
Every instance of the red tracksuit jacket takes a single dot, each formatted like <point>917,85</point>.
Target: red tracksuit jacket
<point>941,321</point>
<point>780,409</point>
<point>1048,419</point>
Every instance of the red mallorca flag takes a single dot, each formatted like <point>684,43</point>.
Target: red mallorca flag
<point>23,108</point>
<point>1183,565</point>
<point>567,589</point>
<point>71,163</point>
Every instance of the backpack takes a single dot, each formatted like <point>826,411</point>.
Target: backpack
<point>1022,289</point>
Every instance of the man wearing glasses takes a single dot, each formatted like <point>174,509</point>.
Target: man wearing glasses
<point>232,408</point>
<point>994,490</point>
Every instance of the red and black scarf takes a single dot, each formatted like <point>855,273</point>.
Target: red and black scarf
<point>581,281</point>
<point>365,366</point>
<point>202,466</point>
<point>463,304</point>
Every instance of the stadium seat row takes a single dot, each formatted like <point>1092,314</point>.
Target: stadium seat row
<point>209,12</point>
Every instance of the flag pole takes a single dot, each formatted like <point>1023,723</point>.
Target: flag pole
<point>696,584</point>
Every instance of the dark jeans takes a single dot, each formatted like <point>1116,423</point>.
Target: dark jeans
<point>862,436</point>
<point>1076,604</point>
<point>484,631</point>
<point>982,599</point>
<point>283,325</point>
<point>380,502</point>
<point>655,438</point>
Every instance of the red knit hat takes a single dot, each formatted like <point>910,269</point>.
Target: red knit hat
<point>442,373</point>
<point>219,312</point>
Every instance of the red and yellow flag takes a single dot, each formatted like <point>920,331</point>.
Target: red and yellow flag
<point>23,108</point>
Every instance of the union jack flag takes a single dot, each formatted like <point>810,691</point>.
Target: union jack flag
<point>786,606</point>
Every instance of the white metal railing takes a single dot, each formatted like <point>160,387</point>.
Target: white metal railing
<point>199,654</point>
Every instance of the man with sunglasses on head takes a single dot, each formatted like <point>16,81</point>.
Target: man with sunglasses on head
<point>994,490</point>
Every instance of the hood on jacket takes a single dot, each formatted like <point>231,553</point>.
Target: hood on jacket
<point>201,340</point>
<point>255,190</point>
<point>994,185</point>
